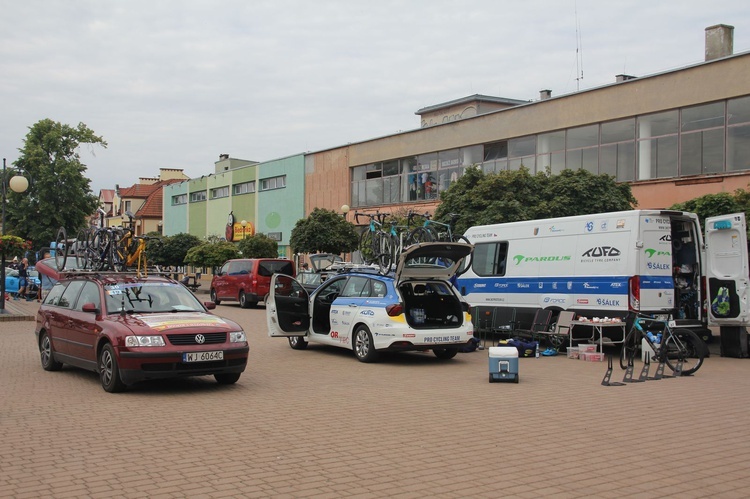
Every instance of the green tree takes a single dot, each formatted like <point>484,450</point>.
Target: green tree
<point>60,193</point>
<point>515,195</point>
<point>323,231</point>
<point>171,250</point>
<point>258,246</point>
<point>211,254</point>
<point>712,205</point>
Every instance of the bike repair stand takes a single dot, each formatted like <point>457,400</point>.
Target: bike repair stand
<point>608,375</point>
<point>628,378</point>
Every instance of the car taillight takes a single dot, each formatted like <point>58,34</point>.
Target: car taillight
<point>634,294</point>
<point>394,310</point>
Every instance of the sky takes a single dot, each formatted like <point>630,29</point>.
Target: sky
<point>176,83</point>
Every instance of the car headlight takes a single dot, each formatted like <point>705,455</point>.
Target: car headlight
<point>144,341</point>
<point>237,337</point>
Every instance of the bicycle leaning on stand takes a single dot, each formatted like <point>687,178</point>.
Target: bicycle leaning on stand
<point>681,349</point>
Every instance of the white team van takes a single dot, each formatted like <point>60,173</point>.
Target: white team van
<point>614,265</point>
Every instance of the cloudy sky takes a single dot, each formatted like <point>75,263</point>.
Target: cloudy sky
<point>173,84</point>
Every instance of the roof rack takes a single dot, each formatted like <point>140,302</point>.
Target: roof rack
<point>133,273</point>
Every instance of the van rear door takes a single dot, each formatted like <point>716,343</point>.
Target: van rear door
<point>727,270</point>
<point>655,263</point>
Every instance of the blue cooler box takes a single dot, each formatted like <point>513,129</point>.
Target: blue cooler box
<point>503,364</point>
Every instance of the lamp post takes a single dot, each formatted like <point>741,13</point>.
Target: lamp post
<point>18,183</point>
<point>243,224</point>
<point>345,210</point>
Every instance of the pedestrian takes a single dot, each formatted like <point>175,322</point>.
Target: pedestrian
<point>14,264</point>
<point>305,267</point>
<point>23,277</point>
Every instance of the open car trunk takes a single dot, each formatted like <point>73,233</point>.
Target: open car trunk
<point>431,304</point>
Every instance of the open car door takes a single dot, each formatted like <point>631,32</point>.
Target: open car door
<point>287,308</point>
<point>727,270</point>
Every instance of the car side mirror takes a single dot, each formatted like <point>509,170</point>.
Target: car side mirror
<point>465,306</point>
<point>209,305</point>
<point>90,308</point>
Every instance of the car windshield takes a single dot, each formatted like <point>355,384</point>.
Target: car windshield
<point>150,297</point>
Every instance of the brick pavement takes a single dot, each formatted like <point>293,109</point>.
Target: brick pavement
<point>317,423</point>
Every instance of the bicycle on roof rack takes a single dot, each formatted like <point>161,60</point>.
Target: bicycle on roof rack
<point>376,245</point>
<point>434,231</point>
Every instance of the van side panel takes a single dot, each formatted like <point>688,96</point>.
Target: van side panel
<point>655,264</point>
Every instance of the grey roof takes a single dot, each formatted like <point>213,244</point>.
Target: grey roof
<point>472,98</point>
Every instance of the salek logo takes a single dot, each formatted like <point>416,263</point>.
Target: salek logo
<point>601,251</point>
<point>526,259</point>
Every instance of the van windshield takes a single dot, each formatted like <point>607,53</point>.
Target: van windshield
<point>270,267</point>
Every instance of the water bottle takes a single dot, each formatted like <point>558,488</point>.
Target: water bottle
<point>536,353</point>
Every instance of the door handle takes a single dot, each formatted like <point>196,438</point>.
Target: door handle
<point>353,305</point>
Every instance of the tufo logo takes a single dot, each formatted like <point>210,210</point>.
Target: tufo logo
<point>526,259</point>
<point>601,251</point>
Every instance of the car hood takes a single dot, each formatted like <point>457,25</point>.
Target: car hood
<point>431,260</point>
<point>177,322</point>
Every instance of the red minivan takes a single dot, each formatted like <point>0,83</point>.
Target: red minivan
<point>247,280</point>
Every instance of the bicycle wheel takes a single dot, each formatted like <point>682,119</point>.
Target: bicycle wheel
<point>118,252</point>
<point>385,255</point>
<point>366,247</point>
<point>627,354</point>
<point>466,265</point>
<point>99,249</point>
<point>420,235</point>
<point>61,249</point>
<point>82,249</point>
<point>685,345</point>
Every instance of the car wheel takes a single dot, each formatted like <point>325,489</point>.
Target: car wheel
<point>214,298</point>
<point>364,348</point>
<point>109,371</point>
<point>227,378</point>
<point>297,343</point>
<point>243,300</point>
<point>48,355</point>
<point>445,353</point>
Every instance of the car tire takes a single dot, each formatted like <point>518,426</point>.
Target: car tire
<point>48,354</point>
<point>244,303</point>
<point>445,353</point>
<point>214,298</point>
<point>227,378</point>
<point>109,371</point>
<point>364,348</point>
<point>297,343</point>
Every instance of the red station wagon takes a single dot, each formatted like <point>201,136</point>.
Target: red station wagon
<point>130,329</point>
<point>247,280</point>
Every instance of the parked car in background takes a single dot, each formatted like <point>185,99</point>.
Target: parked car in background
<point>130,329</point>
<point>247,280</point>
<point>415,308</point>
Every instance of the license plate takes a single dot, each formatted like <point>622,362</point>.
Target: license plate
<point>202,356</point>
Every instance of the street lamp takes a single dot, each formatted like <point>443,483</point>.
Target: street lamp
<point>344,210</point>
<point>243,224</point>
<point>18,183</point>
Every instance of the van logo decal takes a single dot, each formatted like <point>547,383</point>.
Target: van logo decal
<point>650,252</point>
<point>525,259</point>
<point>666,238</point>
<point>601,251</point>
<point>589,226</point>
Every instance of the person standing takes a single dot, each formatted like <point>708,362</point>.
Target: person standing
<point>23,277</point>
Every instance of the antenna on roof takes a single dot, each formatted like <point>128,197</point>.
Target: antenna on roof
<point>579,52</point>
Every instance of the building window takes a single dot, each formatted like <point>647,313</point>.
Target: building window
<point>179,199</point>
<point>702,139</point>
<point>738,134</point>
<point>268,184</point>
<point>617,150</point>
<point>220,192</point>
<point>127,206</point>
<point>657,145</point>
<point>196,197</point>
<point>244,188</point>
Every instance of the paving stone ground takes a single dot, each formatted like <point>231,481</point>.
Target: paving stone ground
<point>317,423</point>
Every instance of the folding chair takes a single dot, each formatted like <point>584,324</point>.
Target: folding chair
<point>504,321</point>
<point>559,334</point>
<point>482,318</point>
<point>541,322</point>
